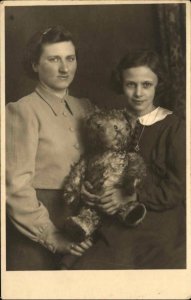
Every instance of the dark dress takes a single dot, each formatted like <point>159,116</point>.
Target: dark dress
<point>160,241</point>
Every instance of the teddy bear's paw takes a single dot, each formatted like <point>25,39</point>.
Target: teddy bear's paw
<point>74,229</point>
<point>132,213</point>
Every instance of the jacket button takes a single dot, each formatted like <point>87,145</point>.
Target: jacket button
<point>71,129</point>
<point>64,114</point>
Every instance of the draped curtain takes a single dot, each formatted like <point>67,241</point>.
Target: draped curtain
<point>172,41</point>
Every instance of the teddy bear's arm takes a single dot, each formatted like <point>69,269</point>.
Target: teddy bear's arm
<point>134,172</point>
<point>72,184</point>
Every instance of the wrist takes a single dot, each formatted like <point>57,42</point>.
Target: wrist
<point>47,237</point>
<point>131,198</point>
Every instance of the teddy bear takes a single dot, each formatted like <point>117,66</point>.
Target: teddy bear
<point>106,164</point>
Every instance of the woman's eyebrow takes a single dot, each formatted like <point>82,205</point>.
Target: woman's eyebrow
<point>71,55</point>
<point>55,56</point>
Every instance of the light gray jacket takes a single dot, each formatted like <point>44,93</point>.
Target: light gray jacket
<point>42,142</point>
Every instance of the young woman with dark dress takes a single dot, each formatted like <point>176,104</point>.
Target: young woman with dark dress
<point>159,136</point>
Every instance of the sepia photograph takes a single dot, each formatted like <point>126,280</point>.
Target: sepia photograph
<point>95,144</point>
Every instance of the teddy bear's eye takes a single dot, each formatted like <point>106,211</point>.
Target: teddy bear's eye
<point>115,127</point>
<point>98,125</point>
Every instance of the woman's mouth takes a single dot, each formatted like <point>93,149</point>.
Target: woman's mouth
<point>138,102</point>
<point>63,77</point>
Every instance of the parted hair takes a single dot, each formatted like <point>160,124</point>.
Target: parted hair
<point>138,58</point>
<point>35,44</point>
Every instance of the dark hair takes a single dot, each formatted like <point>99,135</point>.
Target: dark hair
<point>139,58</point>
<point>33,51</point>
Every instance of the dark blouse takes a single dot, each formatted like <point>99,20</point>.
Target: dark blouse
<point>162,145</point>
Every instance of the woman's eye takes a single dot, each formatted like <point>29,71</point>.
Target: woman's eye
<point>98,125</point>
<point>71,58</point>
<point>147,84</point>
<point>53,59</point>
<point>130,84</point>
<point>115,127</point>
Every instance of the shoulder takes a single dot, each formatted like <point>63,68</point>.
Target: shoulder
<point>173,130</point>
<point>83,105</point>
<point>87,105</point>
<point>24,107</point>
<point>24,102</point>
<point>174,122</point>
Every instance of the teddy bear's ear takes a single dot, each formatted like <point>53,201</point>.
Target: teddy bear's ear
<point>94,111</point>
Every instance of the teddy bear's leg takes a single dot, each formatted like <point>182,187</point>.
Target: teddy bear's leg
<point>74,229</point>
<point>83,225</point>
<point>134,173</point>
<point>132,213</point>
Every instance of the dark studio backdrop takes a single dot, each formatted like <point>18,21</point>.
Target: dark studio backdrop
<point>103,34</point>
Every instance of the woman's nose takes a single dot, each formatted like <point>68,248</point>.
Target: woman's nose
<point>63,67</point>
<point>138,91</point>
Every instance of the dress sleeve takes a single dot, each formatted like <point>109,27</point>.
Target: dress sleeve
<point>28,215</point>
<point>164,187</point>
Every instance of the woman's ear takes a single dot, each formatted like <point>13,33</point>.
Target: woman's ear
<point>35,67</point>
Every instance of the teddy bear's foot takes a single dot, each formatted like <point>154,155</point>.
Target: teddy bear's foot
<point>132,213</point>
<point>74,230</point>
<point>83,225</point>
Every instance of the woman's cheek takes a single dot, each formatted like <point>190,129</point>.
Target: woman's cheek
<point>128,93</point>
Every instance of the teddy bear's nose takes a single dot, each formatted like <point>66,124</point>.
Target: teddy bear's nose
<point>118,130</point>
<point>98,125</point>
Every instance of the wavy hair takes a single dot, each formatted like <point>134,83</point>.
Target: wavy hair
<point>34,46</point>
<point>137,58</point>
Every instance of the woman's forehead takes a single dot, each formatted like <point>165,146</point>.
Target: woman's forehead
<point>139,73</point>
<point>60,48</point>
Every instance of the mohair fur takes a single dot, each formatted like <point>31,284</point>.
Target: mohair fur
<point>106,164</point>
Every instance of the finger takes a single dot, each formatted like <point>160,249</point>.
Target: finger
<point>108,205</point>
<point>104,200</point>
<point>90,203</point>
<point>106,195</point>
<point>78,249</point>
<point>85,245</point>
<point>89,243</point>
<point>111,212</point>
<point>91,197</point>
<point>110,189</point>
<point>88,185</point>
<point>74,252</point>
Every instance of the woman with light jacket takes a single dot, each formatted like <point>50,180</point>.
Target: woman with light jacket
<point>42,142</point>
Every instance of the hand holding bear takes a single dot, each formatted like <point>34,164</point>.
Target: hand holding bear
<point>109,202</point>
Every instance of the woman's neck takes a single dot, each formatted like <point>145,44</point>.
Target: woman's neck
<point>138,114</point>
<point>59,94</point>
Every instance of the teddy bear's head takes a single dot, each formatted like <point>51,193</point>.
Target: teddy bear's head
<point>108,130</point>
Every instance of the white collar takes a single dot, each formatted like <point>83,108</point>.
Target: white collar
<point>154,116</point>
